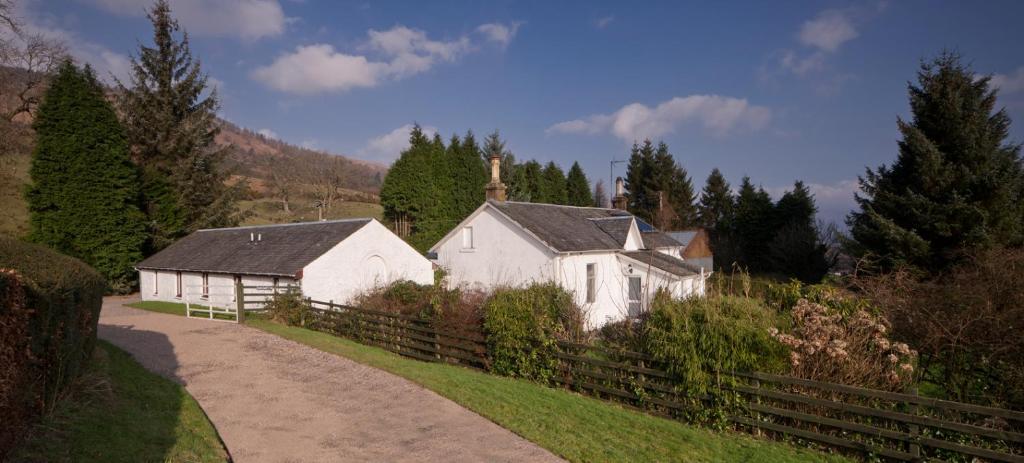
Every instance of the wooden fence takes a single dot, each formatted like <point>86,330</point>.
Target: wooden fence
<point>888,425</point>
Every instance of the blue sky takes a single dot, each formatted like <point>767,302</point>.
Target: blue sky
<point>778,91</point>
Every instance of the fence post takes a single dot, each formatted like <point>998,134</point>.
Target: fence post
<point>915,448</point>
<point>756,383</point>
<point>239,303</point>
<point>309,305</point>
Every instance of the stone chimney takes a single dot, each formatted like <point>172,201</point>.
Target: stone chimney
<point>619,200</point>
<point>495,190</point>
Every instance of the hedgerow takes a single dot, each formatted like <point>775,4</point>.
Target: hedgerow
<point>48,319</point>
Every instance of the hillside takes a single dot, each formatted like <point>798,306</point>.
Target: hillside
<point>273,169</point>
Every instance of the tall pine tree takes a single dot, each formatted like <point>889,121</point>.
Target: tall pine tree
<point>641,200</point>
<point>715,213</point>
<point>84,197</point>
<point>170,120</point>
<point>417,190</point>
<point>578,187</point>
<point>553,187</point>
<point>754,226</point>
<point>531,180</point>
<point>956,185</point>
<point>796,249</point>
<point>469,175</point>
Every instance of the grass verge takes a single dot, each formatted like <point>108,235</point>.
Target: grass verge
<point>120,412</point>
<point>172,308</point>
<point>573,426</point>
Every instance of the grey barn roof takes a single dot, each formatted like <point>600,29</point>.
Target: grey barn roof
<point>683,237</point>
<point>283,250</point>
<point>570,228</point>
<point>659,260</point>
<point>657,239</point>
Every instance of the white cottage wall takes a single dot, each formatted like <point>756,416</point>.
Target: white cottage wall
<point>500,254</point>
<point>372,256</point>
<point>161,285</point>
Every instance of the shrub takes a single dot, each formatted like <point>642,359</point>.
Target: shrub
<point>288,307</point>
<point>452,310</point>
<point>847,349</point>
<point>48,318</point>
<point>695,338</point>
<point>524,325</point>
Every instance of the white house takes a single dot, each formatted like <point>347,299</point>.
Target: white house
<point>611,261</point>
<point>329,261</point>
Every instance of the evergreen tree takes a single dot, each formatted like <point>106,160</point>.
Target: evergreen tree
<point>578,187</point>
<point>84,196</point>
<point>796,250</point>
<point>956,185</point>
<point>677,195</point>
<point>531,181</point>
<point>716,215</point>
<point>553,185</point>
<point>600,196</point>
<point>412,191</point>
<point>171,126</point>
<point>469,175</point>
<point>754,226</point>
<point>641,202</point>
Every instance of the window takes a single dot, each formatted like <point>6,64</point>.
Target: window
<point>156,282</point>
<point>635,289</point>
<point>591,283</point>
<point>238,284</point>
<point>467,237</point>
<point>177,277</point>
<point>206,286</point>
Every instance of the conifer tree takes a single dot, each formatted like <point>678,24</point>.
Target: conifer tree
<point>796,249</point>
<point>410,191</point>
<point>84,196</point>
<point>469,175</point>
<point>754,226</point>
<point>553,187</point>
<point>677,195</point>
<point>170,119</point>
<point>578,187</point>
<point>956,185</point>
<point>641,201</point>
<point>716,215</point>
<point>532,189</point>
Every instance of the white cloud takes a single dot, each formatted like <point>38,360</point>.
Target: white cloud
<point>829,30</point>
<point>602,23</point>
<point>245,19</point>
<point>399,52</point>
<point>717,114</point>
<point>1009,83</point>
<point>501,34</point>
<point>267,133</point>
<point>801,65</point>
<point>387,147</point>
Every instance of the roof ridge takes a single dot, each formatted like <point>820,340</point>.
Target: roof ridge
<point>276,225</point>
<point>559,205</point>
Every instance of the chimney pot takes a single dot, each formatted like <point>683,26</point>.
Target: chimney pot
<point>495,189</point>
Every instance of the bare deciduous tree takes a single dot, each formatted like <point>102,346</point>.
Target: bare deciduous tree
<point>26,61</point>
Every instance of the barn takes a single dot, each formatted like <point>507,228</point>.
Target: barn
<point>330,261</point>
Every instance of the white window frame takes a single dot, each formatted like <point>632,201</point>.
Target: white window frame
<point>177,281</point>
<point>467,239</point>
<point>206,286</point>
<point>591,283</point>
<point>156,282</point>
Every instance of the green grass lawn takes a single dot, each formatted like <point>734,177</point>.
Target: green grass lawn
<point>120,412</point>
<point>573,426</point>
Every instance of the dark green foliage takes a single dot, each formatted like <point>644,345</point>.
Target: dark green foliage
<point>84,197</point>
<point>61,298</point>
<point>754,226</point>
<point>796,249</point>
<point>578,187</point>
<point>469,175</point>
<point>660,190</point>
<point>523,326</point>
<point>956,185</point>
<point>170,119</point>
<point>699,336</point>
<point>417,188</point>
<point>716,213</point>
<point>531,187</point>
<point>553,187</point>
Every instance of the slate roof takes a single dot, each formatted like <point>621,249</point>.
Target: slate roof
<point>683,237</point>
<point>570,228</point>
<point>660,260</point>
<point>283,250</point>
<point>657,239</point>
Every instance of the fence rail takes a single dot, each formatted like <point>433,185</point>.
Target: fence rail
<point>889,425</point>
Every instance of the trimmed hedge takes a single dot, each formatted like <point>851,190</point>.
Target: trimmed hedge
<point>49,309</point>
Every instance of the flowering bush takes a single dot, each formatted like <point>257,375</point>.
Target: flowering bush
<point>847,349</point>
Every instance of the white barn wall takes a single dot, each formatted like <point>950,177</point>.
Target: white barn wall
<point>502,255</point>
<point>221,286</point>
<point>372,256</point>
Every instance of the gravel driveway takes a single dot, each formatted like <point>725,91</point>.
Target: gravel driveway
<point>275,400</point>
